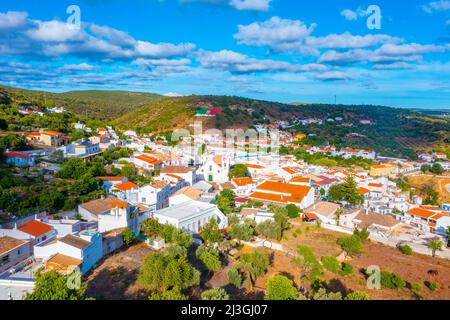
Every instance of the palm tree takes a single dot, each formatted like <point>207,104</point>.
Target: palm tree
<point>435,245</point>
<point>337,216</point>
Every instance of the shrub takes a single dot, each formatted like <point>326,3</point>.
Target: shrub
<point>128,237</point>
<point>215,294</point>
<point>234,277</point>
<point>331,264</point>
<point>392,280</point>
<point>281,288</point>
<point>405,249</point>
<point>357,295</point>
<point>346,269</point>
<point>433,286</point>
<point>417,287</point>
<point>293,211</point>
<point>309,261</point>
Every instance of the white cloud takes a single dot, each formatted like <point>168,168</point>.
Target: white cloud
<point>408,49</point>
<point>55,31</point>
<point>162,50</point>
<point>239,63</point>
<point>80,67</point>
<point>12,20</point>
<point>441,5</point>
<point>283,35</point>
<point>256,5</point>
<point>334,76</point>
<point>172,94</point>
<point>351,15</point>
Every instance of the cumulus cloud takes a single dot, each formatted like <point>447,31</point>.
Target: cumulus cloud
<point>334,76</point>
<point>441,5</point>
<point>284,35</point>
<point>12,20</point>
<point>257,5</point>
<point>80,67</point>
<point>351,15</point>
<point>239,63</point>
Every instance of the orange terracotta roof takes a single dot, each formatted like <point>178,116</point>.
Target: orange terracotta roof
<point>35,228</point>
<point>254,166</point>
<point>150,160</point>
<point>126,186</point>
<point>281,192</point>
<point>301,179</point>
<point>218,160</point>
<point>289,170</point>
<point>311,216</point>
<point>119,204</point>
<point>15,154</point>
<point>241,182</point>
<point>111,178</point>
<point>363,190</point>
<point>52,133</point>
<point>421,213</point>
<point>375,185</point>
<point>174,176</point>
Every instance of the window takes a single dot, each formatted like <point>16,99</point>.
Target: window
<point>4,260</point>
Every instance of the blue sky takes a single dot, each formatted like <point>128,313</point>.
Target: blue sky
<point>280,50</point>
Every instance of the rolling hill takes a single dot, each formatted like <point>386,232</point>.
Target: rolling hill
<point>389,131</point>
<point>99,105</point>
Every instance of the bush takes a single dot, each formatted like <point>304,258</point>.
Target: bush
<point>281,288</point>
<point>215,294</point>
<point>346,269</point>
<point>417,287</point>
<point>405,249</point>
<point>331,264</point>
<point>433,286</point>
<point>128,237</point>
<point>234,277</point>
<point>357,295</point>
<point>392,280</point>
<point>293,211</point>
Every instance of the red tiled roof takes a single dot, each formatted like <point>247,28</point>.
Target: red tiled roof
<point>15,154</point>
<point>35,228</point>
<point>150,160</point>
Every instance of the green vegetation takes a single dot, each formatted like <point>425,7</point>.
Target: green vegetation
<point>347,191</point>
<point>322,294</point>
<point>160,273</point>
<point>211,233</point>
<point>128,237</point>
<point>309,262</point>
<point>267,229</point>
<point>331,264</point>
<point>254,265</point>
<point>209,257</point>
<point>351,245</point>
<point>434,246</point>
<point>281,288</point>
<point>215,294</point>
<point>392,280</point>
<point>172,295</point>
<point>406,250</point>
<point>293,211</point>
<point>357,295</point>
<point>52,285</point>
<point>238,171</point>
<point>234,277</point>
<point>225,201</point>
<point>243,231</point>
<point>281,217</point>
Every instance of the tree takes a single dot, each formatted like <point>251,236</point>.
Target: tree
<point>281,288</point>
<point>363,235</point>
<point>243,231</point>
<point>234,277</point>
<point>211,233</point>
<point>281,219</point>
<point>435,245</point>
<point>322,294</point>
<point>357,295</point>
<point>312,267</point>
<point>238,171</point>
<point>225,201</point>
<point>151,228</point>
<point>351,245</point>
<point>128,236</point>
<point>293,211</point>
<point>168,295</point>
<point>74,168</point>
<point>392,280</point>
<point>346,191</point>
<point>160,272</point>
<point>254,265</point>
<point>406,250</point>
<point>209,257</point>
<point>425,168</point>
<point>331,264</point>
<point>215,294</point>
<point>268,229</point>
<point>437,169</point>
<point>51,285</point>
<point>337,216</point>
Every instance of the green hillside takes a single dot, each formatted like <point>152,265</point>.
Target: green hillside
<point>163,114</point>
<point>98,105</point>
